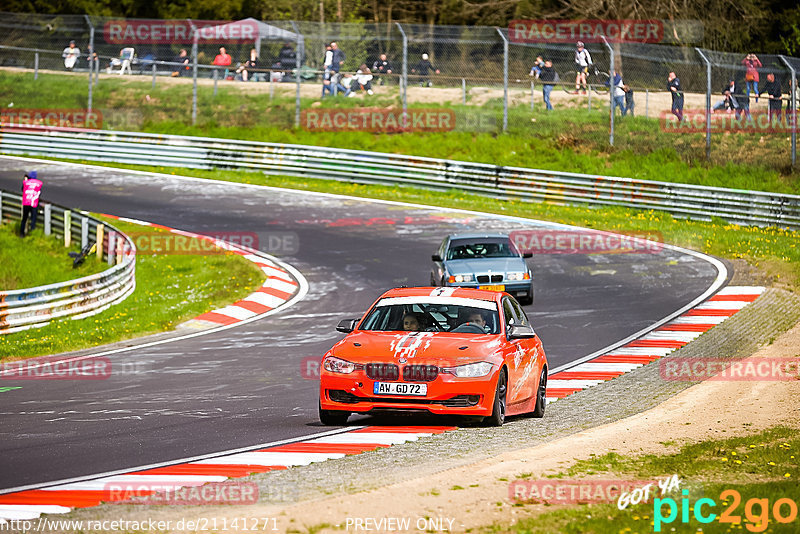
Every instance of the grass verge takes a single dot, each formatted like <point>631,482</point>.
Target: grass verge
<point>169,290</point>
<point>774,252</point>
<point>763,467</point>
<point>38,260</point>
<point>567,139</point>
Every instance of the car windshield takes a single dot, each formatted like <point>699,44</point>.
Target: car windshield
<point>447,315</point>
<point>484,248</point>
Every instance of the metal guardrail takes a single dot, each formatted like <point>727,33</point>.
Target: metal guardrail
<point>33,307</point>
<point>683,200</point>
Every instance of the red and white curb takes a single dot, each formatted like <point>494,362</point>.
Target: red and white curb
<point>654,345</point>
<point>62,498</point>
<point>278,288</point>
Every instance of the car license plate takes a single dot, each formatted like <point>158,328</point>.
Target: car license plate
<point>398,388</point>
<point>493,288</point>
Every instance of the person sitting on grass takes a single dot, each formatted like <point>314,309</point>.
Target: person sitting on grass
<point>362,81</point>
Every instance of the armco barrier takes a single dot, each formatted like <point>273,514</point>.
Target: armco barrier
<point>36,306</point>
<point>683,200</point>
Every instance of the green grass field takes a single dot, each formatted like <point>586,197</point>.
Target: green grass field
<point>170,289</point>
<point>38,259</point>
<point>568,139</point>
<point>763,467</point>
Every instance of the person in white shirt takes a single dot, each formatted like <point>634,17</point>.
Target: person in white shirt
<point>362,81</point>
<point>71,55</point>
<point>583,61</point>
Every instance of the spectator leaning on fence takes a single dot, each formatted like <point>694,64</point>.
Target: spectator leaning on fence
<point>728,101</point>
<point>536,70</point>
<point>549,78</point>
<point>619,94</point>
<point>182,63</point>
<point>630,105</point>
<point>71,55</point>
<point>674,87</point>
<point>424,67</point>
<point>752,64</point>
<point>223,59</point>
<point>773,90</point>
<point>742,100</point>
<point>380,67</point>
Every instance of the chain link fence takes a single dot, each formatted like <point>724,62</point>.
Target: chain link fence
<point>400,77</point>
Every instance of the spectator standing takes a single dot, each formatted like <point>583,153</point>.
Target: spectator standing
<point>583,61</point>
<point>536,70</point>
<point>424,67</point>
<point>182,63</point>
<point>549,79</point>
<point>773,90</point>
<point>223,59</point>
<point>338,57</point>
<point>741,99</point>
<point>619,93</point>
<point>674,87</point>
<point>31,190</point>
<point>71,54</point>
<point>380,67</point>
<point>630,105</point>
<point>327,72</point>
<point>752,64</point>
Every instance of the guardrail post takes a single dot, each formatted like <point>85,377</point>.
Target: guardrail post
<point>153,85</point>
<point>36,66</point>
<point>792,109</point>
<point>48,219</point>
<point>646,102</point>
<point>122,247</point>
<point>100,231</point>
<point>67,228</point>
<point>84,231</point>
<point>532,88</point>
<point>112,242</point>
<point>194,71</point>
<point>505,79</point>
<point>708,102</point>
<point>610,90</point>
<point>214,72</point>
<point>91,52</point>
<point>464,91</point>
<point>404,77</point>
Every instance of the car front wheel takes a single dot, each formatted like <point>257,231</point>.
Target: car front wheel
<point>541,395</point>
<point>333,417</point>
<point>498,416</point>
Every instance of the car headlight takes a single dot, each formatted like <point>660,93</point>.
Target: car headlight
<point>518,276</point>
<point>337,365</point>
<point>459,278</point>
<point>470,370</point>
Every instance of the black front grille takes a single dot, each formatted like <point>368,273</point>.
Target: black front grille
<point>485,279</point>
<point>497,278</point>
<point>383,371</point>
<point>420,373</point>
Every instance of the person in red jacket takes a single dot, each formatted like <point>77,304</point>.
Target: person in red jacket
<point>752,64</point>
<point>31,189</point>
<point>223,59</point>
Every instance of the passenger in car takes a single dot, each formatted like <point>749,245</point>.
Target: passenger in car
<point>411,322</point>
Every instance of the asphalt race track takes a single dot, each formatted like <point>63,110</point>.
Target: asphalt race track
<point>244,386</point>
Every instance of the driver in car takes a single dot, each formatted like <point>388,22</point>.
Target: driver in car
<point>411,322</point>
<point>477,319</point>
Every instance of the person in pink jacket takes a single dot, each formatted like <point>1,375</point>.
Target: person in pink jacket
<point>752,64</point>
<point>31,189</point>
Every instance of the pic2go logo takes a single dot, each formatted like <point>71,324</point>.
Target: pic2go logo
<point>757,511</point>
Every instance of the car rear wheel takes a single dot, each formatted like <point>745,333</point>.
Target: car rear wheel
<point>333,417</point>
<point>498,416</point>
<point>541,395</point>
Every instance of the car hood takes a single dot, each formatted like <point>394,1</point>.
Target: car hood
<point>430,348</point>
<point>484,265</point>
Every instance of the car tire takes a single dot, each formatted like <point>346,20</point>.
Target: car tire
<point>527,301</point>
<point>498,416</point>
<point>541,395</point>
<point>333,417</point>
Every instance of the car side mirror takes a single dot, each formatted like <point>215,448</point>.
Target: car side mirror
<point>519,331</point>
<point>436,257</point>
<point>346,325</point>
<point>527,255</point>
